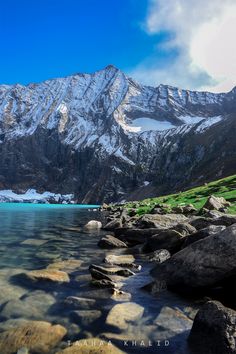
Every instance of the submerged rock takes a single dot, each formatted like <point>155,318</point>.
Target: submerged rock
<point>91,346</point>
<point>38,336</point>
<point>79,302</point>
<point>214,330</point>
<point>110,241</point>
<point>173,320</point>
<point>33,242</point>
<point>120,315</point>
<point>48,275</point>
<point>32,306</point>
<point>67,266</point>
<point>86,317</point>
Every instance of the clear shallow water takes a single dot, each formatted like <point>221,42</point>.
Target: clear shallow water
<point>56,233</point>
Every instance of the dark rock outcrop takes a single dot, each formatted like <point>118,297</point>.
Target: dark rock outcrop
<point>203,263</point>
<point>214,330</point>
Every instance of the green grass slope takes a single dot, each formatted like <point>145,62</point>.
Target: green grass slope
<point>225,187</point>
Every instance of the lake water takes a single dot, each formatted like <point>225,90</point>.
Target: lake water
<point>54,233</point>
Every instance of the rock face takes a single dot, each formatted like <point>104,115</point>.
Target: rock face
<point>214,330</point>
<point>38,336</point>
<point>80,135</point>
<point>203,263</point>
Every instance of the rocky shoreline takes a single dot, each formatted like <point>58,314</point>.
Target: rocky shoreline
<point>192,253</point>
<point>189,252</point>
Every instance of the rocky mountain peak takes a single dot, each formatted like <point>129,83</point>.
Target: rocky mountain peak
<point>101,133</point>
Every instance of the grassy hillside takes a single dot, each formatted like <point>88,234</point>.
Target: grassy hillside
<point>225,187</point>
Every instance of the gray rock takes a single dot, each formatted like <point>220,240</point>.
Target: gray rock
<point>93,224</point>
<point>86,317</point>
<point>123,272</point>
<point>160,221</point>
<point>215,203</point>
<point>165,239</point>
<point>159,256</point>
<point>214,330</point>
<point>184,228</point>
<point>203,222</point>
<point>203,263</point>
<point>121,260</point>
<point>113,224</point>
<point>136,236</point>
<point>104,283</point>
<point>110,241</point>
<point>120,315</point>
<point>38,336</point>
<point>203,233</point>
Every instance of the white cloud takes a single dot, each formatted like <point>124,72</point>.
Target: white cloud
<point>203,32</point>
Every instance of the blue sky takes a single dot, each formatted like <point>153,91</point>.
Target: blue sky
<point>41,39</point>
<point>179,42</point>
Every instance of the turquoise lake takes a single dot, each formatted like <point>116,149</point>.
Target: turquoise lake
<point>33,236</point>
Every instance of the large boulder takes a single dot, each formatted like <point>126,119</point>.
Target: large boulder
<point>215,203</point>
<point>214,330</point>
<point>200,222</point>
<point>38,336</point>
<point>113,224</point>
<point>135,236</point>
<point>170,240</point>
<point>202,264</point>
<point>203,233</point>
<point>160,221</point>
<point>110,241</point>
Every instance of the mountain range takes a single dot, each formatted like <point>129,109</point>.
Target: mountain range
<point>104,137</point>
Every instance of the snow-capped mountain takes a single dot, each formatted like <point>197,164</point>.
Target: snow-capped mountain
<point>103,136</point>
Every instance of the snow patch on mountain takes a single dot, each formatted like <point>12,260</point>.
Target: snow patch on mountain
<point>32,196</point>
<point>208,123</point>
<point>191,119</point>
<point>146,124</point>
